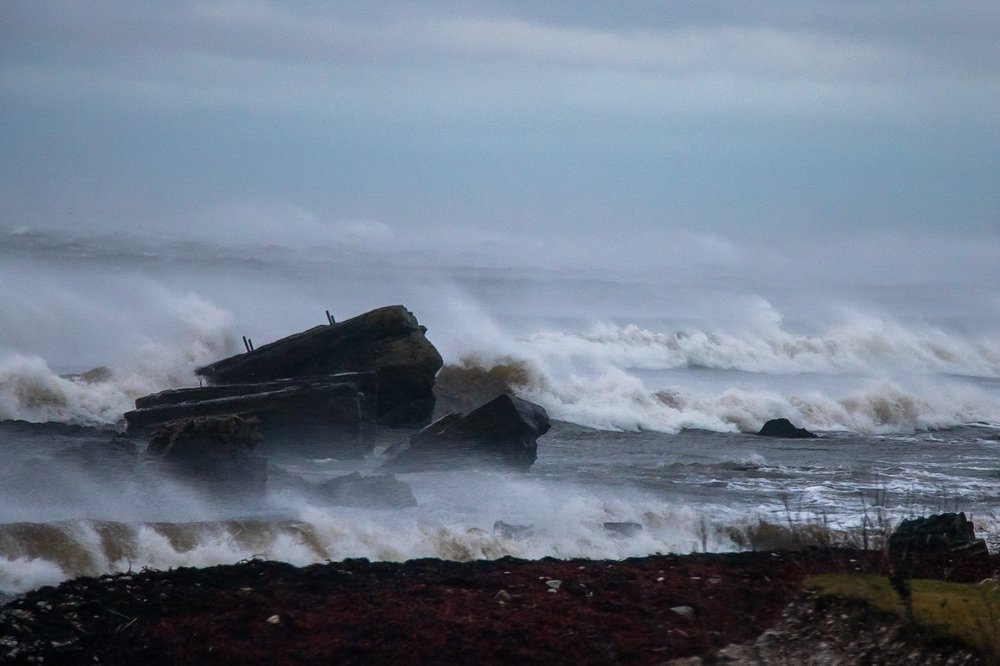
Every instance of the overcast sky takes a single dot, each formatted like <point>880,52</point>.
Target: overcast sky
<point>380,121</point>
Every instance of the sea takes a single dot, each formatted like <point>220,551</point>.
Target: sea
<point>657,369</point>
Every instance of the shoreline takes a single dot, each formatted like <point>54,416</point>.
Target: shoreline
<point>638,610</point>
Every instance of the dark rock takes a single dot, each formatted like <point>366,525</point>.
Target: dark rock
<point>387,341</point>
<point>462,388</point>
<point>334,415</point>
<point>504,431</point>
<point>784,428</point>
<point>93,376</point>
<point>509,531</point>
<point>212,452</point>
<point>941,534</point>
<point>382,491</point>
<point>623,529</point>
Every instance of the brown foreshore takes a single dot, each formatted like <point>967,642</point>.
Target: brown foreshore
<point>646,610</point>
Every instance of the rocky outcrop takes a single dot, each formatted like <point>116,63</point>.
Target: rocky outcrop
<point>502,432</point>
<point>784,428</point>
<point>388,342</point>
<point>333,414</point>
<point>214,453</point>
<point>941,534</point>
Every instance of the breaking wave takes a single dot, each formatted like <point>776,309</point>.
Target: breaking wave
<point>764,346</point>
<point>869,376</point>
<point>31,391</point>
<point>617,400</point>
<point>36,554</point>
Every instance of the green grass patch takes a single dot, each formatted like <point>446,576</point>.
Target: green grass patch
<point>965,612</point>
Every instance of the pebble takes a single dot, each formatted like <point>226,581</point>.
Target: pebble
<point>274,619</point>
<point>554,584</point>
<point>503,596</point>
<point>683,611</point>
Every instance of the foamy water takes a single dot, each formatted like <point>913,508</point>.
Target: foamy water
<point>657,387</point>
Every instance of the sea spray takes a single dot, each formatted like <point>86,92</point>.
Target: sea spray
<point>30,390</point>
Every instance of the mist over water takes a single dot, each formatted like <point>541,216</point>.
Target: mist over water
<point>659,362</point>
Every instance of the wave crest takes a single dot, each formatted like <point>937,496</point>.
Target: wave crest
<point>863,344</point>
<point>31,391</point>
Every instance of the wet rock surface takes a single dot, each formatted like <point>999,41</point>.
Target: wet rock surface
<point>502,432</point>
<point>215,452</point>
<point>334,414</point>
<point>388,342</point>
<point>433,611</point>
<point>784,428</point>
<point>936,535</point>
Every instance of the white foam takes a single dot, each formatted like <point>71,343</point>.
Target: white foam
<point>30,390</point>
<point>861,344</point>
<point>21,574</point>
<point>868,375</point>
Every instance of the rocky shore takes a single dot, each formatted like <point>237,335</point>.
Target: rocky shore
<point>697,608</point>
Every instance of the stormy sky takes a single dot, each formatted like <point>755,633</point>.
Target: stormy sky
<point>606,126</point>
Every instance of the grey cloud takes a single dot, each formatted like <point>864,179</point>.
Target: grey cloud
<point>852,40</point>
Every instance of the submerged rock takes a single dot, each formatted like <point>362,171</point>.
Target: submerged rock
<point>379,491</point>
<point>504,432</point>
<point>212,452</point>
<point>388,342</point>
<point>784,428</point>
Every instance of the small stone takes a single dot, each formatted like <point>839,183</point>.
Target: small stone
<point>660,579</point>
<point>502,596</point>
<point>554,584</point>
<point>274,619</point>
<point>714,580</point>
<point>683,611</point>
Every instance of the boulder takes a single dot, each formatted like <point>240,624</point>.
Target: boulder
<point>623,529</point>
<point>382,491</point>
<point>387,342</point>
<point>941,534</point>
<point>784,428</point>
<point>503,432</point>
<point>211,452</point>
<point>334,414</point>
<point>463,387</point>
<point>510,531</point>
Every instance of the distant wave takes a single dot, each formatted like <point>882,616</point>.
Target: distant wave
<point>861,345</point>
<point>872,375</point>
<point>613,399</point>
